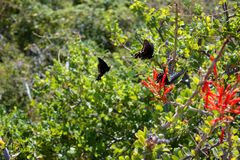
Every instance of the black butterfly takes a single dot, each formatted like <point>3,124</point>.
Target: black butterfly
<point>102,68</point>
<point>172,79</point>
<point>186,80</point>
<point>232,69</point>
<point>146,52</point>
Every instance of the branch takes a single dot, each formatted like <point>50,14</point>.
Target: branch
<point>175,35</point>
<point>28,90</point>
<point>229,140</point>
<point>226,14</point>
<point>160,33</point>
<point>173,60</point>
<point>199,110</point>
<point>220,53</point>
<point>138,38</point>
<point>204,139</point>
<point>124,46</point>
<point>190,108</point>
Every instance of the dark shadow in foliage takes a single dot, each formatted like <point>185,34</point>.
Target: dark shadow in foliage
<point>25,34</point>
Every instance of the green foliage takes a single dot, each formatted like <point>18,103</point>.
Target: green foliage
<point>53,47</point>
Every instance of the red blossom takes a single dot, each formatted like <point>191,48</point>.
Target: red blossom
<point>158,88</point>
<point>221,99</point>
<point>214,67</point>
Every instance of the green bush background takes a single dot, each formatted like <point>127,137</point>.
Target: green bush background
<point>52,46</point>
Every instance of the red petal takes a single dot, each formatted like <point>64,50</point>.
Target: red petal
<point>145,84</point>
<point>155,74</point>
<point>166,70</point>
<point>215,121</point>
<point>214,67</point>
<point>234,92</point>
<point>168,89</point>
<point>212,107</point>
<point>234,101</point>
<point>211,58</point>
<point>235,111</point>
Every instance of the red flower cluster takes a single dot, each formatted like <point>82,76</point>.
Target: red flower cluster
<point>158,88</point>
<point>221,99</point>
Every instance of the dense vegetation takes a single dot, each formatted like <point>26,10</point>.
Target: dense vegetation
<point>52,106</point>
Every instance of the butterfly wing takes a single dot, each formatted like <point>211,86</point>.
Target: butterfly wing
<point>138,55</point>
<point>102,68</point>
<point>186,80</point>
<point>146,52</point>
<point>176,76</point>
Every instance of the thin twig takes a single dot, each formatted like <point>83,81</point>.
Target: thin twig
<point>28,90</point>
<point>175,34</point>
<point>229,140</point>
<point>225,8</point>
<point>139,38</point>
<point>160,33</point>
<point>203,140</point>
<point>199,110</point>
<point>124,46</point>
<point>175,41</point>
<point>190,108</point>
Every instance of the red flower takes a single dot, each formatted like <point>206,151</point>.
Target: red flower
<point>214,67</point>
<point>221,99</point>
<point>158,88</point>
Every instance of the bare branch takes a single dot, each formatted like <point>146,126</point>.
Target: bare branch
<point>229,140</point>
<point>173,61</point>
<point>225,8</point>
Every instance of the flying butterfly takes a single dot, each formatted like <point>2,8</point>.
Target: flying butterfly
<point>146,52</point>
<point>173,78</point>
<point>102,68</point>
